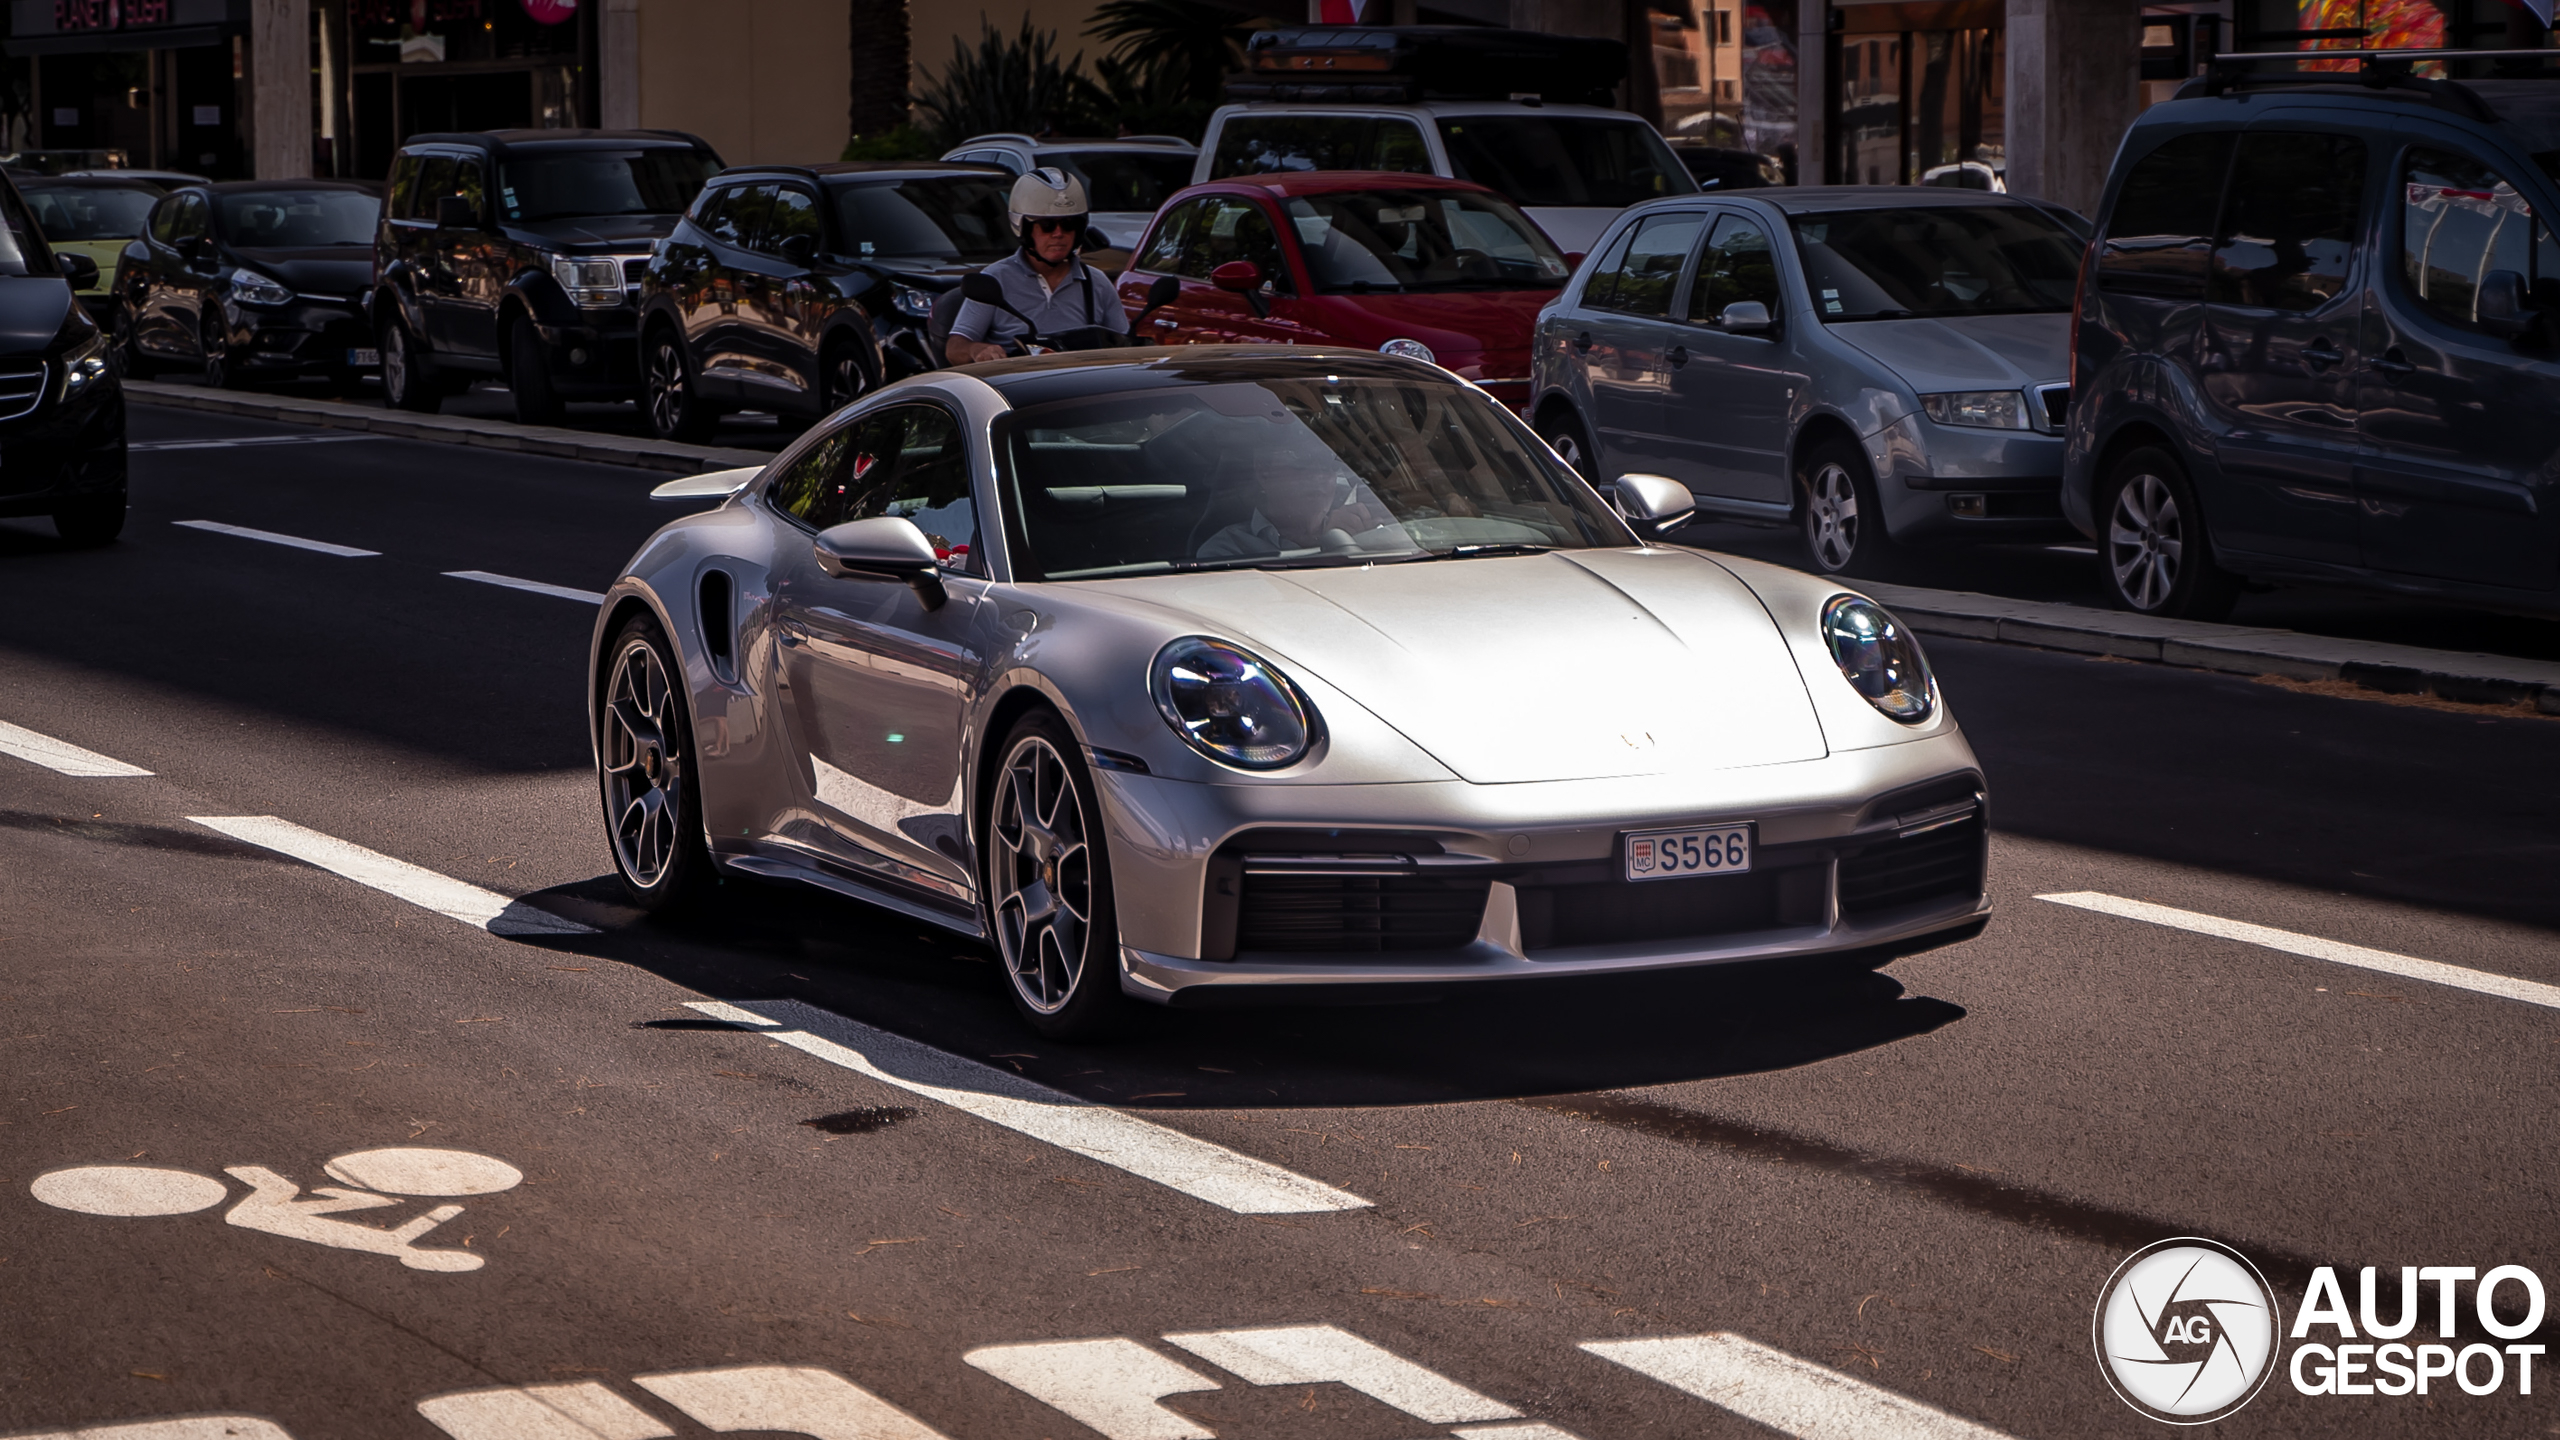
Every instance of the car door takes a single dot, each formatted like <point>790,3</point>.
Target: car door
<point>2278,349</point>
<point>2464,468</point>
<point>432,277</point>
<point>480,268</point>
<point>1725,429</point>
<point>1227,228</point>
<point>158,290</point>
<point>879,686</point>
<point>1626,337</point>
<point>1161,254</point>
<point>717,325</point>
<point>783,325</point>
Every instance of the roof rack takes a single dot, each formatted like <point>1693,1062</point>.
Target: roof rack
<point>2380,70</point>
<point>999,135</point>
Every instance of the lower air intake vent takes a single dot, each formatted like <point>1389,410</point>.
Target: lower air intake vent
<point>1941,864</point>
<point>1358,914</point>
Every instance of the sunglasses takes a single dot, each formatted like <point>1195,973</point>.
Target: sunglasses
<point>1055,226</point>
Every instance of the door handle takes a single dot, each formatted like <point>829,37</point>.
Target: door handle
<point>1678,355</point>
<point>2392,362</point>
<point>787,635</point>
<point>2321,354</point>
<point>1582,341</point>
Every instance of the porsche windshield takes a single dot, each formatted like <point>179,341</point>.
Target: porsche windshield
<point>1936,260</point>
<point>1285,473</point>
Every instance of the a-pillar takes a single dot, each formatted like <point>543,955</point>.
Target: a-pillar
<point>280,95</point>
<point>2075,84</point>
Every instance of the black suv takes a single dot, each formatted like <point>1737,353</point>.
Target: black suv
<point>795,289</point>
<point>2317,341</point>
<point>516,253</point>
<point>61,405</point>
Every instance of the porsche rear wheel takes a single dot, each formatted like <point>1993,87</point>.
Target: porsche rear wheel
<point>644,763</point>
<point>1049,886</point>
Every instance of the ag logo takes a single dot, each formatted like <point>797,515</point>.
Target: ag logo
<point>2186,1331</point>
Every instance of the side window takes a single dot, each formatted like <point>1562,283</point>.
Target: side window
<point>743,215</point>
<point>1738,264</point>
<point>1601,289</point>
<point>995,157</point>
<point>2459,220</point>
<point>404,188</point>
<point>794,212</point>
<point>435,181</point>
<point>1650,269</point>
<point>1265,144</point>
<point>2288,237</point>
<point>1232,229</point>
<point>2163,218</point>
<point>164,219</point>
<point>1164,249</point>
<point>468,184</point>
<point>193,216</point>
<point>908,461</point>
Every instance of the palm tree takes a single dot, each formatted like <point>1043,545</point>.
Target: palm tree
<point>1008,83</point>
<point>1171,56</point>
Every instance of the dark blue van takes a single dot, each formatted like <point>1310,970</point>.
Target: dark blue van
<point>2318,339</point>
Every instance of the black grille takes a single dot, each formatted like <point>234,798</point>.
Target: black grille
<point>1359,914</point>
<point>2057,406</point>
<point>1942,864</point>
<point>632,270</point>
<point>1612,912</point>
<point>21,386</point>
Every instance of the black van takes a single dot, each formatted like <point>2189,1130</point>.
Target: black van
<point>517,253</point>
<point>2318,339</point>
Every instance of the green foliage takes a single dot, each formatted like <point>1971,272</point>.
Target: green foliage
<point>1014,83</point>
<point>1169,60</point>
<point>906,142</point>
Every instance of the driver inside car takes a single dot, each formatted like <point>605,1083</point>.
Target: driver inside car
<point>1302,501</point>
<point>1044,281</point>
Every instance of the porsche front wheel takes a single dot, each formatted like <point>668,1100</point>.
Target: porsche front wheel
<point>1049,887</point>
<point>644,763</point>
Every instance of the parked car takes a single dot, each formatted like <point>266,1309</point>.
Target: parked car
<point>1126,180</point>
<point>251,280</point>
<point>1188,677</point>
<point>1409,265</point>
<point>517,254</point>
<point>797,289</point>
<point>92,217</point>
<point>62,425</point>
<point>2346,377</point>
<point>165,179</point>
<point>1878,365</point>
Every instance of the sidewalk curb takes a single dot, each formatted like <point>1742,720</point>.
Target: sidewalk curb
<point>452,430</point>
<point>2231,649</point>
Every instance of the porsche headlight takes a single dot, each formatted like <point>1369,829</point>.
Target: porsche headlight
<point>911,302</point>
<point>1231,705</point>
<point>1880,659</point>
<point>1983,409</point>
<point>251,288</point>
<point>1409,350</point>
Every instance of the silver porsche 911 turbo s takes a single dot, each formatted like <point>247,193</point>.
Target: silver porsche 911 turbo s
<point>1215,673</point>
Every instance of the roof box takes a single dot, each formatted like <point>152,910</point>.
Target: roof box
<point>1405,63</point>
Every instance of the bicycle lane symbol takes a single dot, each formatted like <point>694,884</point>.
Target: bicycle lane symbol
<point>368,1180</point>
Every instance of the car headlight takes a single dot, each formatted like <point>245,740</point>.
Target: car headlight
<point>1985,409</point>
<point>1409,349</point>
<point>909,301</point>
<point>596,284</point>
<point>251,288</point>
<point>1879,658</point>
<point>1231,705</point>
<point>84,365</point>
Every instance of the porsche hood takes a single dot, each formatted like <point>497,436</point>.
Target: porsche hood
<point>1573,665</point>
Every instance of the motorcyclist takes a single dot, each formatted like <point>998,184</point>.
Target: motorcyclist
<point>1043,280</point>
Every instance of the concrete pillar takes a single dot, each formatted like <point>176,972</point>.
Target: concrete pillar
<point>280,94</point>
<point>618,65</point>
<point>1813,101</point>
<point>2075,84</point>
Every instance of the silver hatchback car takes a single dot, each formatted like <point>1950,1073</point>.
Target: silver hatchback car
<point>1881,366</point>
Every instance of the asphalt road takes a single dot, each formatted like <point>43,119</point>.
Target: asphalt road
<point>1918,1182</point>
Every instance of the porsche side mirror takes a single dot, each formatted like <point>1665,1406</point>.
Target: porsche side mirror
<point>454,212</point>
<point>1237,276</point>
<point>1655,504</point>
<point>2501,308</point>
<point>886,547</point>
<point>1746,317</point>
<point>982,287</point>
<point>79,269</point>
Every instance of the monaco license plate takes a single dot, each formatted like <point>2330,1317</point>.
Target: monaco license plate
<point>359,359</point>
<point>1684,854</point>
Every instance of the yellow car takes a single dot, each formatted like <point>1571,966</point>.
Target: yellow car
<point>92,216</point>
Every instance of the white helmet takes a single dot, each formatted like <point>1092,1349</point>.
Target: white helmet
<point>1047,193</point>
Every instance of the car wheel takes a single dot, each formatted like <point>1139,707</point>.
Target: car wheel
<point>1563,434</point>
<point>675,407</point>
<point>132,363</point>
<point>652,798</point>
<point>2152,544</point>
<point>842,375</point>
<point>407,382</point>
<point>90,521</point>
<point>1049,887</point>
<point>529,377</point>
<point>213,342</point>
<point>1843,523</point>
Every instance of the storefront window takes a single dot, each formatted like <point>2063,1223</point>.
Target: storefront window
<point>1916,106</point>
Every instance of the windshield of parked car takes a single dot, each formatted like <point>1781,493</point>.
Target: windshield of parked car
<point>1361,241</point>
<point>91,212</point>
<point>298,219</point>
<point>570,184</point>
<point>1936,260</point>
<point>1287,473</point>
<point>1564,159</point>
<point>22,247</point>
<point>1121,181</point>
<point>959,219</point>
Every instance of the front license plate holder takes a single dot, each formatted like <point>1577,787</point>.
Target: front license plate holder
<point>1687,854</point>
<point>360,358</point>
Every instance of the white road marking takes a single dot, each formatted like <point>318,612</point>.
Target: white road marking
<point>1529,1430</point>
<point>1791,1396</point>
<point>723,1010</point>
<point>275,1207</point>
<point>239,440</point>
<point>1108,1385</point>
<point>790,1399</point>
<point>421,1170</point>
<point>1318,1354</point>
<point>272,538</point>
<point>188,1427</point>
<point>467,903</point>
<point>537,587</point>
<point>1169,1157</point>
<point>2482,982</point>
<point>584,1410</point>
<point>128,1190</point>
<point>60,756</point>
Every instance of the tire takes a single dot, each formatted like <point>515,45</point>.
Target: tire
<point>408,378</point>
<point>1564,435</point>
<point>2152,548</point>
<point>87,523</point>
<point>529,377</point>
<point>645,773</point>
<point>1049,887</point>
<point>1838,513</point>
<point>669,394</point>
<point>213,344</point>
<point>841,378</point>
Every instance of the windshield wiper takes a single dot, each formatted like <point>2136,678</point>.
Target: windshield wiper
<point>1480,552</point>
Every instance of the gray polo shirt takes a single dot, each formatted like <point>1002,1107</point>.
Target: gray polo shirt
<point>1084,298</point>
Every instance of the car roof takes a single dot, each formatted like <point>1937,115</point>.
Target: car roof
<point>1081,373</point>
<point>1335,182</point>
<point>841,169</point>
<point>558,139</point>
<point>253,187</point>
<point>92,182</point>
<point>1813,199</point>
<point>1073,142</point>
<point>1426,107</point>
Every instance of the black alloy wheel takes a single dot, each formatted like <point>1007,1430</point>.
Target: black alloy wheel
<point>2152,549</point>
<point>407,381</point>
<point>841,373</point>
<point>1564,435</point>
<point>213,342</point>
<point>644,766</point>
<point>1836,505</point>
<point>91,520</point>
<point>537,400</point>
<point>1049,887</point>
<point>673,402</point>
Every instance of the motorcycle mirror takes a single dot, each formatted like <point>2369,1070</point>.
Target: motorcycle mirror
<point>982,287</point>
<point>1166,290</point>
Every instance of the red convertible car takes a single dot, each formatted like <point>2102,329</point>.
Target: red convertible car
<point>1411,265</point>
